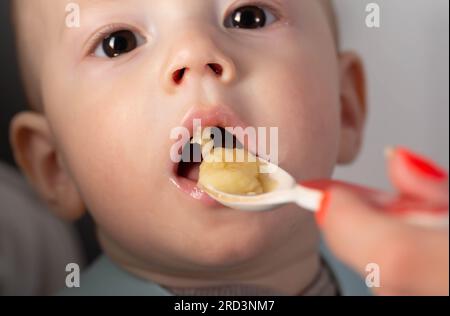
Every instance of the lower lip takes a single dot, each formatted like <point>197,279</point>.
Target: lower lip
<point>190,188</point>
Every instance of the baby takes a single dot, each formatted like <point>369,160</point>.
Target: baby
<point>105,96</point>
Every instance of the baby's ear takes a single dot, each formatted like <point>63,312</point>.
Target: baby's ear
<point>353,106</point>
<point>36,154</point>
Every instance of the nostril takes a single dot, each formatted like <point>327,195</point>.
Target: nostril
<point>178,75</point>
<point>218,69</point>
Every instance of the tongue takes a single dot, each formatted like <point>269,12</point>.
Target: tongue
<point>193,172</point>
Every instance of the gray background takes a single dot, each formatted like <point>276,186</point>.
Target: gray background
<point>407,63</point>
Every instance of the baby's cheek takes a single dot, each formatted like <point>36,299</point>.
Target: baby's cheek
<point>109,144</point>
<point>315,141</point>
<point>305,108</point>
<point>109,158</point>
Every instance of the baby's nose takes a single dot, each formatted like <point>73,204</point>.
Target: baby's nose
<point>194,56</point>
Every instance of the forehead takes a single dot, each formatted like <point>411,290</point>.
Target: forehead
<point>55,6</point>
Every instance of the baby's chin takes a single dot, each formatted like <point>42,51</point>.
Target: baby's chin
<point>236,237</point>
<point>225,241</point>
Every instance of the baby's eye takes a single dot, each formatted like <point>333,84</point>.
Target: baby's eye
<point>250,17</point>
<point>118,43</point>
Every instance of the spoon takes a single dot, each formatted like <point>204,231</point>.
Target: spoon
<point>286,191</point>
<point>310,196</point>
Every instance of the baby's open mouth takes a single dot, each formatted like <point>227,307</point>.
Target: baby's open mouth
<point>191,156</point>
<point>209,128</point>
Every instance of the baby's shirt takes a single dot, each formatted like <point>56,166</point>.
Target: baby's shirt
<point>106,278</point>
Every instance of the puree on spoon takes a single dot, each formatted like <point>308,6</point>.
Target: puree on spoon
<point>234,171</point>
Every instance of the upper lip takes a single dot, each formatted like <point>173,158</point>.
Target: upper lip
<point>218,116</point>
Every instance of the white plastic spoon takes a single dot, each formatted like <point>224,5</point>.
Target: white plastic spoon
<point>286,191</point>
<point>311,198</point>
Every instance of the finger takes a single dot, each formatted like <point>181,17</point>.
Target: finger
<point>415,264</point>
<point>352,228</point>
<point>417,176</point>
<point>411,259</point>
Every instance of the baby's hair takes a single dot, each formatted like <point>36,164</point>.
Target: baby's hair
<point>30,72</point>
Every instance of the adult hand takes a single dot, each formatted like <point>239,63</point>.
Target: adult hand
<point>413,259</point>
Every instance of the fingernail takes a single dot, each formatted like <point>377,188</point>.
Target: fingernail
<point>423,165</point>
<point>321,213</point>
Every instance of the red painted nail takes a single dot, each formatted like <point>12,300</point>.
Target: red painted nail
<point>321,213</point>
<point>423,165</point>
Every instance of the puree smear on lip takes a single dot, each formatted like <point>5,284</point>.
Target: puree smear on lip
<point>234,171</point>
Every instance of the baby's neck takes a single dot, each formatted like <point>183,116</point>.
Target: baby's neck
<point>290,271</point>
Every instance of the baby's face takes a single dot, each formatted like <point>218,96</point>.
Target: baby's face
<point>273,65</point>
